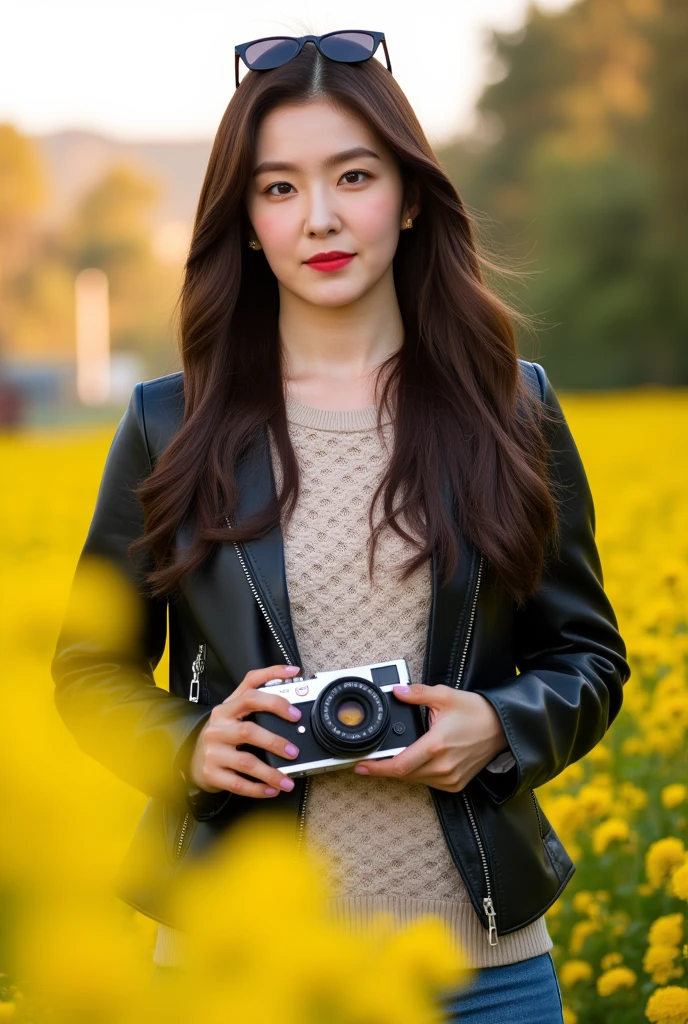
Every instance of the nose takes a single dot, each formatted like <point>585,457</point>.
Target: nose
<point>321,217</point>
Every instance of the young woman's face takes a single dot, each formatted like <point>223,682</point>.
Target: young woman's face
<point>332,186</point>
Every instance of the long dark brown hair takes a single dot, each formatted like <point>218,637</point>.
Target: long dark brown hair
<point>462,411</point>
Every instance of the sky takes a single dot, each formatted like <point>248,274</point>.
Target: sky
<point>148,69</point>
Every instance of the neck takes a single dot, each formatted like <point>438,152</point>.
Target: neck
<point>336,349</point>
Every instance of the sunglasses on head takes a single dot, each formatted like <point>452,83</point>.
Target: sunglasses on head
<point>348,46</point>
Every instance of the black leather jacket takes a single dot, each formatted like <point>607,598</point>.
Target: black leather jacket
<point>233,616</point>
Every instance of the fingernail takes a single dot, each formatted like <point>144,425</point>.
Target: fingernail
<point>402,689</point>
<point>293,712</point>
<point>361,769</point>
<point>287,784</point>
<point>270,791</point>
<point>291,750</point>
<point>291,670</point>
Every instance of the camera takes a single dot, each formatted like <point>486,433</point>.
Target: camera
<point>347,715</point>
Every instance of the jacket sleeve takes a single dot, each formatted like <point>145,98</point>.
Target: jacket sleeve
<point>570,656</point>
<point>104,687</point>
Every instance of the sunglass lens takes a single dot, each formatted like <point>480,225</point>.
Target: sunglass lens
<point>348,46</point>
<point>270,53</point>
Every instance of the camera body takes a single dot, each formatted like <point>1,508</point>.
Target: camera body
<point>347,715</point>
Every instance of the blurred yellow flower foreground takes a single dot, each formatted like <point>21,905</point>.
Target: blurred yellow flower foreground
<point>261,945</point>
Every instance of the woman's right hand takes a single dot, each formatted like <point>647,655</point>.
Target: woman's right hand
<point>216,760</point>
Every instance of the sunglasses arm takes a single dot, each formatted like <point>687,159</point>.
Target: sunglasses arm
<point>389,63</point>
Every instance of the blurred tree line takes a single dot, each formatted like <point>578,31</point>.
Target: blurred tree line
<point>577,180</point>
<point>109,228</point>
<point>581,182</point>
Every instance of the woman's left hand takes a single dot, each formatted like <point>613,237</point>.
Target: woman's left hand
<point>464,735</point>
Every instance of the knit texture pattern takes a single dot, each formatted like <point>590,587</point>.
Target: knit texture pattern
<point>380,839</point>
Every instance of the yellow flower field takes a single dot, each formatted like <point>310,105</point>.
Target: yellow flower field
<point>70,952</point>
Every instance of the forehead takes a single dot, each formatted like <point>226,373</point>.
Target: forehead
<point>306,133</point>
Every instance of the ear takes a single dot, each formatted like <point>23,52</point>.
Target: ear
<point>412,206</point>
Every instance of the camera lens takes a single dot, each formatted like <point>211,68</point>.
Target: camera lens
<point>351,716</point>
<point>351,713</point>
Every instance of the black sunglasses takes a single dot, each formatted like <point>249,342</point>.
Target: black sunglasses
<point>349,47</point>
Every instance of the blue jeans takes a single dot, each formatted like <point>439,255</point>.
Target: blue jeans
<point>527,992</point>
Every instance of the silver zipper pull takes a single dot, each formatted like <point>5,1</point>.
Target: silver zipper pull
<point>492,919</point>
<point>197,667</point>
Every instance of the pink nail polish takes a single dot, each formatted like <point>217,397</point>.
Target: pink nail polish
<point>287,784</point>
<point>361,769</point>
<point>270,791</point>
<point>290,750</point>
<point>293,712</point>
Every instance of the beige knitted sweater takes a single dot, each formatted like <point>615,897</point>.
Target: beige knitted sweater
<point>383,844</point>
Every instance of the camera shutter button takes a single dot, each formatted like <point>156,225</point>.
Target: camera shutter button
<point>398,728</point>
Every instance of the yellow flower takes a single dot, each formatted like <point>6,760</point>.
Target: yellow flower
<point>630,798</point>
<point>668,1006</point>
<point>611,960</point>
<point>634,746</point>
<point>679,881</point>
<point>583,901</point>
<point>7,1011</point>
<point>666,931</point>
<point>611,830</point>
<point>661,857</point>
<point>659,962</point>
<point>674,794</point>
<point>644,889</point>
<point>574,971</point>
<point>579,933</point>
<point>569,1016</point>
<point>599,754</point>
<point>596,800</point>
<point>613,980</point>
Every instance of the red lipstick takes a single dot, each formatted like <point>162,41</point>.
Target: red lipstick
<point>333,260</point>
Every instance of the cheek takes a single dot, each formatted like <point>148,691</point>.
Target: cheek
<point>376,221</point>
<point>275,230</point>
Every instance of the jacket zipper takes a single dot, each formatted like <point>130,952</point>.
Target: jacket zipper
<point>537,811</point>
<point>197,666</point>
<point>287,661</point>
<point>488,906</point>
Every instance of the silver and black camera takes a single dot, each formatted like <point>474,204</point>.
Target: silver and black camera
<point>347,716</point>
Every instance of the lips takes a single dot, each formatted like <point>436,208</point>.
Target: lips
<point>328,262</point>
<point>325,257</point>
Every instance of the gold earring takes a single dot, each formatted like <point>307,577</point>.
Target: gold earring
<point>409,223</point>
<point>253,243</point>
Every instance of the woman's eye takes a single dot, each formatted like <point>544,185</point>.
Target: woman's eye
<point>278,184</point>
<point>347,173</point>
<point>285,184</point>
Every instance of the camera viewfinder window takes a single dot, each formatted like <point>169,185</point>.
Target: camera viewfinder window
<point>385,675</point>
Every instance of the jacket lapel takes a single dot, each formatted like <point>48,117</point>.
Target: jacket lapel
<point>449,607</point>
<point>219,593</point>
<point>265,555</point>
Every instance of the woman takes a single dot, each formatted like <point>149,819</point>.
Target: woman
<point>353,467</point>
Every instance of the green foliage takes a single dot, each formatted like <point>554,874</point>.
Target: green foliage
<point>584,186</point>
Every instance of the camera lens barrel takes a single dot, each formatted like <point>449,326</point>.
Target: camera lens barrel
<point>350,716</point>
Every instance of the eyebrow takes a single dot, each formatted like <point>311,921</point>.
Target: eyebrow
<point>330,161</point>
